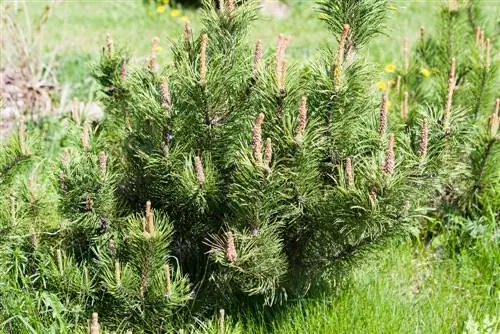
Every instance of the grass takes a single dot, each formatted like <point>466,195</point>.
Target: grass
<point>407,289</point>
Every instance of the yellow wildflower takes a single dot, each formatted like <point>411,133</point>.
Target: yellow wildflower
<point>166,2</point>
<point>175,12</point>
<point>184,18</point>
<point>160,9</point>
<point>381,85</point>
<point>390,68</point>
<point>425,72</point>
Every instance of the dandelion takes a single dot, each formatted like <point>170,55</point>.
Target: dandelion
<point>389,68</point>
<point>349,173</point>
<point>268,152</point>
<point>382,85</point>
<point>383,115</point>
<point>389,163</point>
<point>425,72</point>
<point>175,12</point>
<point>160,9</point>
<point>424,138</point>
<point>256,139</point>
<point>203,60</point>
<point>94,324</point>
<point>168,283</point>
<point>231,254</point>
<point>198,167</point>
<point>404,107</point>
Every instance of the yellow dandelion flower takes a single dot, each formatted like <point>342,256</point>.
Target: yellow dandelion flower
<point>390,68</point>
<point>425,72</point>
<point>184,18</point>
<point>160,9</point>
<point>381,85</point>
<point>175,12</point>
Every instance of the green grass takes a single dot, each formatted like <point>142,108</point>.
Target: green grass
<point>407,289</point>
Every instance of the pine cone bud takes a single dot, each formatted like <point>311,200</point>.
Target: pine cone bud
<point>118,273</point>
<point>165,94</point>
<point>123,71</point>
<point>497,106</point>
<point>404,107</point>
<point>75,111</point>
<point>406,57</point>
<point>150,228</point>
<point>153,64</point>
<point>94,324</point>
<point>282,77</point>
<point>339,60</point>
<point>493,123</point>
<point>268,152</point>
<point>281,62</point>
<point>302,116</point>
<point>168,283</point>
<point>59,261</point>
<point>422,33</point>
<point>349,173</point>
<point>424,138</point>
<point>257,139</point>
<point>449,99</point>
<point>222,5</point>
<point>383,115</point>
<point>198,167</point>
<point>188,33</point>
<point>65,157</point>
<point>373,194</point>
<point>221,321</point>
<point>85,136</point>
<point>398,84</point>
<point>109,44</point>
<point>389,163</point>
<point>478,36</point>
<point>481,44</point>
<point>112,248</point>
<point>230,6</point>
<point>22,136</point>
<point>102,162</point>
<point>488,54</point>
<point>257,58</point>
<point>453,5</point>
<point>231,249</point>
<point>34,238</point>
<point>203,60</point>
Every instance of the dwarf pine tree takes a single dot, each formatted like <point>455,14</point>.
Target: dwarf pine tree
<point>276,180</point>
